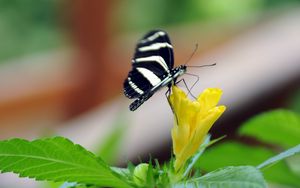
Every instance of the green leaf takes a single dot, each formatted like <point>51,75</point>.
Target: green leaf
<point>108,150</point>
<point>196,157</point>
<point>234,153</point>
<point>56,159</point>
<point>280,156</point>
<point>294,164</point>
<point>50,184</point>
<point>229,177</point>
<point>66,185</point>
<point>278,127</point>
<point>69,185</point>
<point>294,102</point>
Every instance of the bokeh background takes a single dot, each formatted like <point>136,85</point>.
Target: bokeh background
<point>62,66</point>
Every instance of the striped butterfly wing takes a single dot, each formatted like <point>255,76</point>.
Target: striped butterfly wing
<point>152,61</point>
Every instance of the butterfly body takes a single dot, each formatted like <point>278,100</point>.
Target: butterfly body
<point>152,68</point>
<point>167,81</point>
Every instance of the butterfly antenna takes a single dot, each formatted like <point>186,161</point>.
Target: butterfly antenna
<point>196,48</point>
<point>197,66</point>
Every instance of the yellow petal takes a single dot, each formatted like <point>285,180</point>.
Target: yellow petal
<point>182,106</point>
<point>193,119</point>
<point>180,137</point>
<point>209,98</point>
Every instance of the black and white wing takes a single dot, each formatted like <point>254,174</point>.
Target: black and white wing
<point>152,61</point>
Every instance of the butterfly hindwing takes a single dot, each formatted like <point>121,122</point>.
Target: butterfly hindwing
<point>136,84</point>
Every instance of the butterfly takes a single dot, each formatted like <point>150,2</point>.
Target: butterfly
<point>152,68</point>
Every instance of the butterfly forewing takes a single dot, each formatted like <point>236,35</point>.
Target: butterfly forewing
<point>156,43</point>
<point>152,61</point>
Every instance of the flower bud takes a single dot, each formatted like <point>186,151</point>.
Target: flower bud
<point>140,174</point>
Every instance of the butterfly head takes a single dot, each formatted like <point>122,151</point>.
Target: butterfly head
<point>178,71</point>
<point>182,68</point>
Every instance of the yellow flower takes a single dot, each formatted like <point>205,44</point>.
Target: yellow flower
<point>193,119</point>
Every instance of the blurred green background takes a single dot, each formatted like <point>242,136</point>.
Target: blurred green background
<point>88,46</point>
<point>28,27</point>
<point>34,26</point>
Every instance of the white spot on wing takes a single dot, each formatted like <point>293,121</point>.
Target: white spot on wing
<point>158,59</point>
<point>155,46</point>
<point>134,86</point>
<point>153,79</point>
<point>153,37</point>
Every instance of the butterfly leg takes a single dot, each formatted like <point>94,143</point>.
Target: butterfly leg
<point>167,94</point>
<point>197,80</point>
<point>185,84</point>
